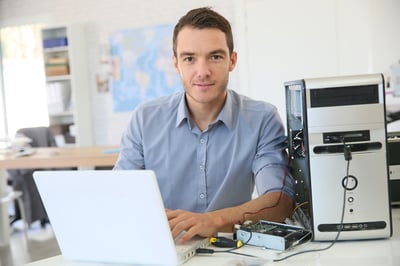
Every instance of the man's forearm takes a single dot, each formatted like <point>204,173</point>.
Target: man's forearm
<point>273,206</point>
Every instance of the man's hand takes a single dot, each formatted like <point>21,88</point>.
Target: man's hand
<point>201,224</point>
<point>273,206</point>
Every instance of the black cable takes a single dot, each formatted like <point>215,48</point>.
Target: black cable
<point>231,250</point>
<point>212,251</point>
<point>348,157</point>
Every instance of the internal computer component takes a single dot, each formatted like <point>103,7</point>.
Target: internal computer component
<point>272,235</point>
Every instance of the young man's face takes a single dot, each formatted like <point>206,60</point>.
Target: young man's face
<point>203,61</point>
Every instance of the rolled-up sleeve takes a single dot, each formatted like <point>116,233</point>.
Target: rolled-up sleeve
<point>271,164</point>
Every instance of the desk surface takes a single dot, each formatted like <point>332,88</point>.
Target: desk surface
<point>59,157</point>
<point>383,252</point>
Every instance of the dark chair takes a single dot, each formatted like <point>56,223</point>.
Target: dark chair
<point>22,179</point>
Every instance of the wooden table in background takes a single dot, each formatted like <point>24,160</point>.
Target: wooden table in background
<point>54,157</point>
<point>60,157</point>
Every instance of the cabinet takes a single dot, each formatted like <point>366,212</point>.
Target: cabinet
<point>67,84</point>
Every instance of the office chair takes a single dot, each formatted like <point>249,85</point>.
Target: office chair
<point>22,179</point>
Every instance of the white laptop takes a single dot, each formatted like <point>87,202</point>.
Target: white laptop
<point>111,217</point>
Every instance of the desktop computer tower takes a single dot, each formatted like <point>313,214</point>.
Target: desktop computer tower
<point>325,118</point>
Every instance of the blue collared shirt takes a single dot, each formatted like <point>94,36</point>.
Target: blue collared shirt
<point>214,169</point>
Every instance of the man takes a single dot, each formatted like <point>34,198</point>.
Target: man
<point>208,145</point>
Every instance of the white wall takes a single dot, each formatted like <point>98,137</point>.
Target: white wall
<point>291,39</point>
<point>277,41</point>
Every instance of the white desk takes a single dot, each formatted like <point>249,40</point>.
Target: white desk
<point>385,252</point>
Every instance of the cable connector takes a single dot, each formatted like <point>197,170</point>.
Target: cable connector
<point>204,251</point>
<point>224,242</point>
<point>347,152</point>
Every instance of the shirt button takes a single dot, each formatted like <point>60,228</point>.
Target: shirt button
<point>202,167</point>
<point>202,196</point>
<point>202,141</point>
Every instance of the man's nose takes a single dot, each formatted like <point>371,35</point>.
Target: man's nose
<point>203,68</point>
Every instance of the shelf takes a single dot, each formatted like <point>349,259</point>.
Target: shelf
<point>66,113</point>
<point>68,89</point>
<point>58,78</point>
<point>56,49</point>
<point>61,120</point>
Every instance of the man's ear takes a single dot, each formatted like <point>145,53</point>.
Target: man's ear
<point>233,61</point>
<point>175,63</point>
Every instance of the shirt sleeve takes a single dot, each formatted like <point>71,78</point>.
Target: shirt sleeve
<point>131,151</point>
<point>271,164</point>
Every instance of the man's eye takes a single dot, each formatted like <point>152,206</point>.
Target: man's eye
<point>216,57</point>
<point>188,59</point>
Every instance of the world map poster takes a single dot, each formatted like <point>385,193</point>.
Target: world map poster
<point>142,66</point>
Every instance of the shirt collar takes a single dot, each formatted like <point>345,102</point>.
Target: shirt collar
<point>183,113</point>
<point>225,116</point>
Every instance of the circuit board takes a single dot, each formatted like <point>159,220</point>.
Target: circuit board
<point>272,235</point>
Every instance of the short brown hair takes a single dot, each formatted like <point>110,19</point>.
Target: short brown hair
<point>201,18</point>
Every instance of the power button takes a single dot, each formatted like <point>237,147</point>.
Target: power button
<point>349,182</point>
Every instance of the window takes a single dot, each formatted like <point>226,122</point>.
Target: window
<point>23,89</point>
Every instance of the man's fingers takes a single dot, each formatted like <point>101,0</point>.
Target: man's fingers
<point>191,223</point>
<point>186,225</point>
<point>186,237</point>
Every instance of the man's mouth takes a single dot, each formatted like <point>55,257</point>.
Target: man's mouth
<point>203,85</point>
